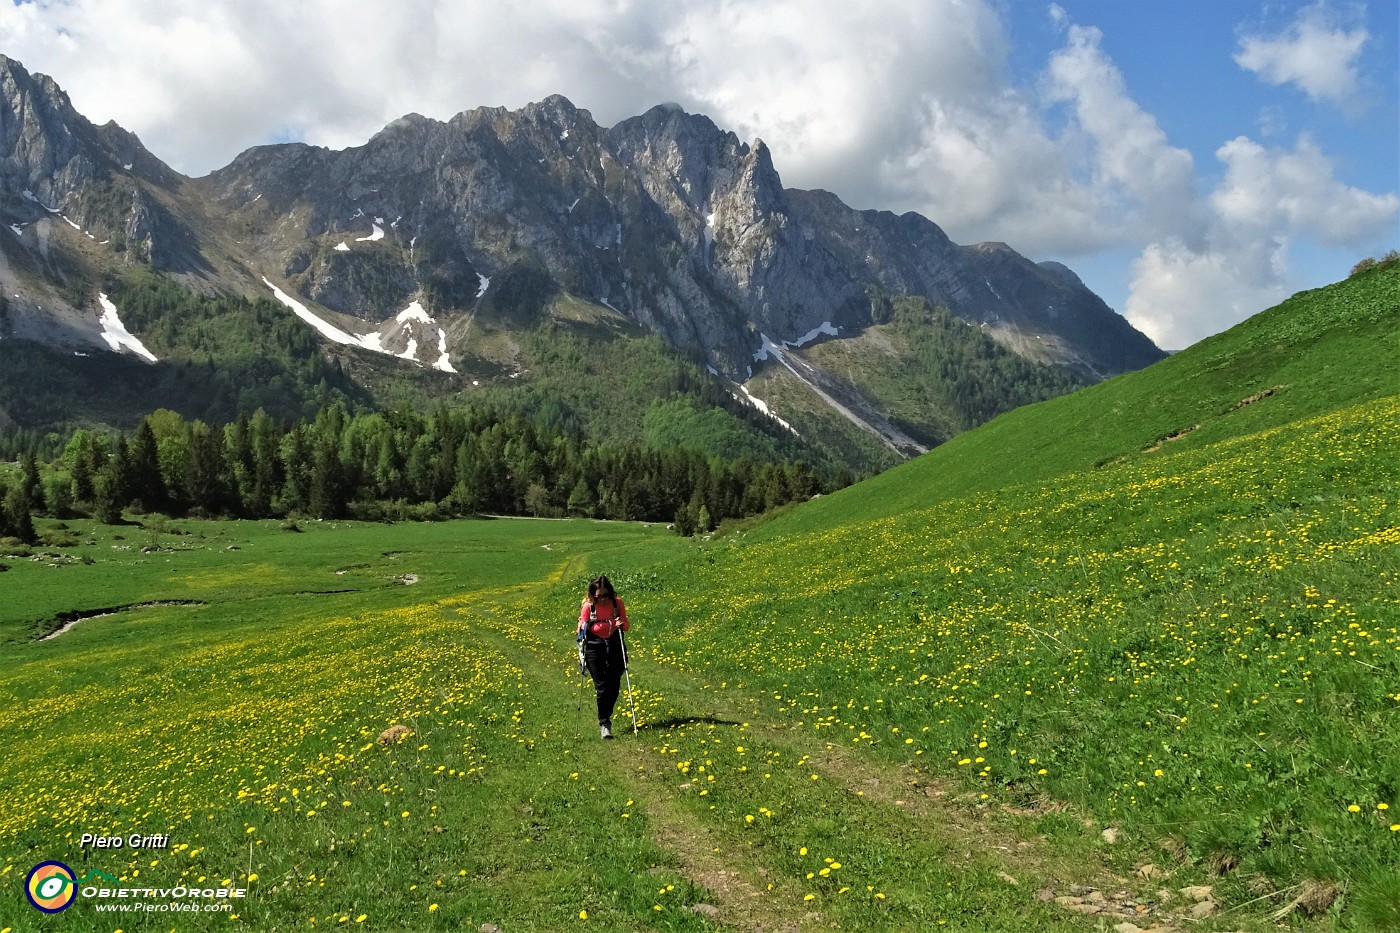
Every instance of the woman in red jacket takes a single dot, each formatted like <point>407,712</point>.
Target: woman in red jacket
<point>600,618</point>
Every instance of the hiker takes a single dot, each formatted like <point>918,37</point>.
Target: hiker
<point>599,620</point>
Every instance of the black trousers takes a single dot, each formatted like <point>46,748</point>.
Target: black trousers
<point>603,656</point>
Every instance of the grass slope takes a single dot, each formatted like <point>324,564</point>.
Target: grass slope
<point>905,706</point>
<point>1318,351</point>
<point>245,728</point>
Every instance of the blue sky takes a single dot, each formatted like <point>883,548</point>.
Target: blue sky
<point>1178,61</point>
<point>1196,161</point>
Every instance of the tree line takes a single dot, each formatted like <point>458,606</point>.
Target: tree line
<point>394,465</point>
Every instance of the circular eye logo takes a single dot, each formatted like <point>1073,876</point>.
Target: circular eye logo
<point>51,887</point>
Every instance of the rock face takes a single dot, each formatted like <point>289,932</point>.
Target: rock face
<point>54,162</point>
<point>664,217</point>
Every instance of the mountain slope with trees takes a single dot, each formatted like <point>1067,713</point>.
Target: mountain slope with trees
<point>451,248</point>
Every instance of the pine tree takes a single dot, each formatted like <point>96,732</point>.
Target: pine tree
<point>147,489</point>
<point>581,501</point>
<point>29,471</point>
<point>328,492</point>
<point>17,520</point>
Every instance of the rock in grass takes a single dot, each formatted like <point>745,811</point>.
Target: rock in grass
<point>1205,909</point>
<point>394,734</point>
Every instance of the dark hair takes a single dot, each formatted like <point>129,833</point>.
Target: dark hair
<point>600,587</point>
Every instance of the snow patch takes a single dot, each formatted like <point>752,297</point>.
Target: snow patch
<point>825,327</point>
<point>415,312</point>
<point>443,363</point>
<point>411,351</point>
<point>18,229</point>
<point>762,406</point>
<point>378,234</point>
<point>116,334</point>
<point>768,346</point>
<point>342,248</point>
<point>574,205</point>
<point>325,328</point>
<point>485,283</point>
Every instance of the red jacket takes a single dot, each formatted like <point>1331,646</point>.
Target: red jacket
<point>609,618</point>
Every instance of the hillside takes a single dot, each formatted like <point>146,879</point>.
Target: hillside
<point>1315,353</point>
<point>1091,691</point>
<point>1168,599</point>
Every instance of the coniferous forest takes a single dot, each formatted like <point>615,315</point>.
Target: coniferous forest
<point>393,465</point>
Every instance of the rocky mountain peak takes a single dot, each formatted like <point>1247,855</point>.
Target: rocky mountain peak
<point>665,218</point>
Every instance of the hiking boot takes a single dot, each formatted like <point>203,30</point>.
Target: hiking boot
<point>606,729</point>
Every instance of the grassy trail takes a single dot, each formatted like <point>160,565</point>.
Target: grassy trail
<point>848,842</point>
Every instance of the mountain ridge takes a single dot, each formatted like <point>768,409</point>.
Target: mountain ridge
<point>484,221</point>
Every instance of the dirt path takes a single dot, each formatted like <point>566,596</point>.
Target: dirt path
<point>979,840</point>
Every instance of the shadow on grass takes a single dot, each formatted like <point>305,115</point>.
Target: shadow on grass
<point>678,721</point>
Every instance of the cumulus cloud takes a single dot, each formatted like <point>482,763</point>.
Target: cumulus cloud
<point>1140,179</point>
<point>1316,52</point>
<point>893,104</point>
<point>1266,201</point>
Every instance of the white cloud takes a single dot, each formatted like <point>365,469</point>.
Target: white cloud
<point>1141,181</point>
<point>1266,203</point>
<point>1296,192</point>
<point>1316,52</point>
<point>900,104</point>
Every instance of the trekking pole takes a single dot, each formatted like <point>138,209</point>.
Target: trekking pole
<point>582,670</point>
<point>626,672</point>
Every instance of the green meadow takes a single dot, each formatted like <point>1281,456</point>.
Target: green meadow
<point>1128,657</point>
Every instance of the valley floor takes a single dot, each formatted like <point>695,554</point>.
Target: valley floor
<point>246,726</point>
